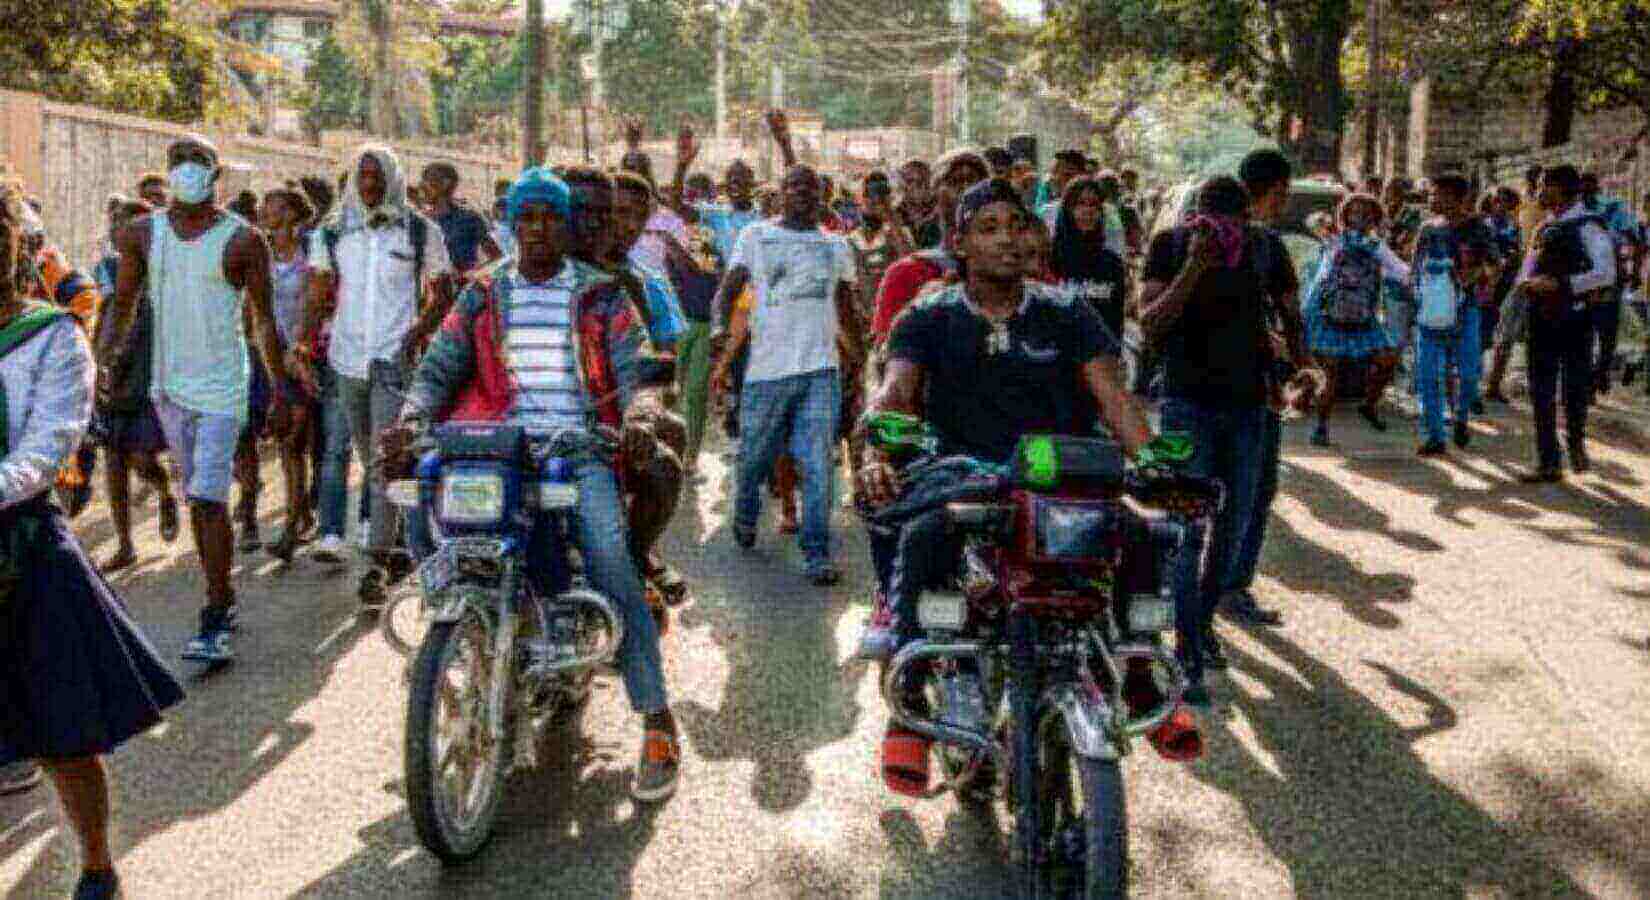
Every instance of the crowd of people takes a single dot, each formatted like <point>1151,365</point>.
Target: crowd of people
<point>350,311</point>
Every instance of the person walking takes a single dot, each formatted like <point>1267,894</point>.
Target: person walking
<point>77,676</point>
<point>381,255</point>
<point>205,273</point>
<point>1455,258</point>
<point>1572,259</point>
<point>803,281</point>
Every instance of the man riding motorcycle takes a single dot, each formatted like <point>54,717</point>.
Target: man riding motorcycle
<point>549,343</point>
<point>984,362</point>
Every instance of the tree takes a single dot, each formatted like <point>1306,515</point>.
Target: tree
<point>146,57</point>
<point>392,45</point>
<point>334,94</point>
<point>1599,56</point>
<point>1280,58</point>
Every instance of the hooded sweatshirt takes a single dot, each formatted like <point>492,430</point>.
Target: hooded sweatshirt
<point>376,267</point>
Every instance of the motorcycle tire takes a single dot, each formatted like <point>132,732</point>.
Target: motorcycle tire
<point>1103,873</point>
<point>450,841</point>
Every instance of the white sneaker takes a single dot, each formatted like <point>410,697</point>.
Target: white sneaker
<point>330,550</point>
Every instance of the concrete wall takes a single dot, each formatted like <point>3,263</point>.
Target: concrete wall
<point>73,157</point>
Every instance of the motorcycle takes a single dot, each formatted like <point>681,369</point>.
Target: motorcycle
<point>1048,660</point>
<point>515,635</point>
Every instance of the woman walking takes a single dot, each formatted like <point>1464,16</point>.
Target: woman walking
<point>77,678</point>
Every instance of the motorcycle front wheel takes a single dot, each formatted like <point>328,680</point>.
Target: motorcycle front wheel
<point>1084,832</point>
<point>455,770</point>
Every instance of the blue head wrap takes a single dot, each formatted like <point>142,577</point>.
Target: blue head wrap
<point>539,185</point>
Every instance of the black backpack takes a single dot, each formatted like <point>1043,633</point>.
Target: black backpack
<point>1351,287</point>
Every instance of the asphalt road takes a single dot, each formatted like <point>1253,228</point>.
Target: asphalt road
<point>1456,706</point>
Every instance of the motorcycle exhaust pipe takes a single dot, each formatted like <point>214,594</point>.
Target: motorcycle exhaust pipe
<point>913,720</point>
<point>1156,657</point>
<point>607,648</point>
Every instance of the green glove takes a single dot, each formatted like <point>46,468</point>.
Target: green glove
<point>1168,450</point>
<point>899,434</point>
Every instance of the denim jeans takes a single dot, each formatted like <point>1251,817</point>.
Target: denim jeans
<point>796,415</point>
<point>599,529</point>
<point>1434,352</point>
<point>1229,445</point>
<point>1605,316</point>
<point>357,410</point>
<point>1560,349</point>
<point>1241,576</point>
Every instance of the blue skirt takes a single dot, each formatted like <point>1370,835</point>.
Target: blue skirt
<point>77,677</point>
<point>1340,342</point>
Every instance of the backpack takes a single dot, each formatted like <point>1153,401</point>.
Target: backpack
<point>1351,286</point>
<point>1437,284</point>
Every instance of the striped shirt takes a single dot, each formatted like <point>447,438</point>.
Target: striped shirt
<point>539,352</point>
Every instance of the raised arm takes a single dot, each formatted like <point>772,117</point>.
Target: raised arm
<point>1162,303</point>
<point>779,125</point>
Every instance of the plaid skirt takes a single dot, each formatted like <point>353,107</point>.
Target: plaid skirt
<point>1340,342</point>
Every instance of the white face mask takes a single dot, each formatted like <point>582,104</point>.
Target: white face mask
<point>191,182</point>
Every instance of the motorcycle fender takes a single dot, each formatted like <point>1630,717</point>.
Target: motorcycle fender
<point>1088,723</point>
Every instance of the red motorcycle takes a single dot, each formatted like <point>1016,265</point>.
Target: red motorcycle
<point>1039,674</point>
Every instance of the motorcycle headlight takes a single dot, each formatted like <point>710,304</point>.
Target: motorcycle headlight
<point>472,499</point>
<point>1072,532</point>
<point>1149,613</point>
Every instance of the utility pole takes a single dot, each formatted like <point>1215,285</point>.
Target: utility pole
<point>721,73</point>
<point>778,102</point>
<point>961,12</point>
<point>1372,100</point>
<point>532,98</point>
<point>382,119</point>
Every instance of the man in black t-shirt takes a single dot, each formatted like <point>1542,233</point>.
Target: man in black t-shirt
<point>984,362</point>
<point>1205,300</point>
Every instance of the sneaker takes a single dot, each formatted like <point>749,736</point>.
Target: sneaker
<point>880,639</point>
<point>823,574</point>
<point>18,777</point>
<point>1320,436</point>
<point>1432,448</point>
<point>330,550</point>
<point>744,537</point>
<point>659,767</point>
<point>1241,607</point>
<point>212,644</point>
<point>97,886</point>
<point>1463,434</point>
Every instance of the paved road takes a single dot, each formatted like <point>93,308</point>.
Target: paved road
<point>1456,706</point>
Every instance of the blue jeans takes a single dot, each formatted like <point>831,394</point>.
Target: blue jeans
<point>364,407</point>
<point>1229,445</point>
<point>1241,576</point>
<point>1434,352</point>
<point>797,415</point>
<point>598,526</point>
<point>334,483</point>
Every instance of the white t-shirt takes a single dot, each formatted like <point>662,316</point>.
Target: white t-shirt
<point>794,275</point>
<point>650,249</point>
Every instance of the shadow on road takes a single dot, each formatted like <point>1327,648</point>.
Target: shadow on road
<point>232,729</point>
<point>969,860</point>
<point>560,833</point>
<point>1354,811</point>
<point>786,695</point>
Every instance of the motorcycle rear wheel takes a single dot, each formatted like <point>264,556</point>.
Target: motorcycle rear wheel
<point>455,770</point>
<point>1084,826</point>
